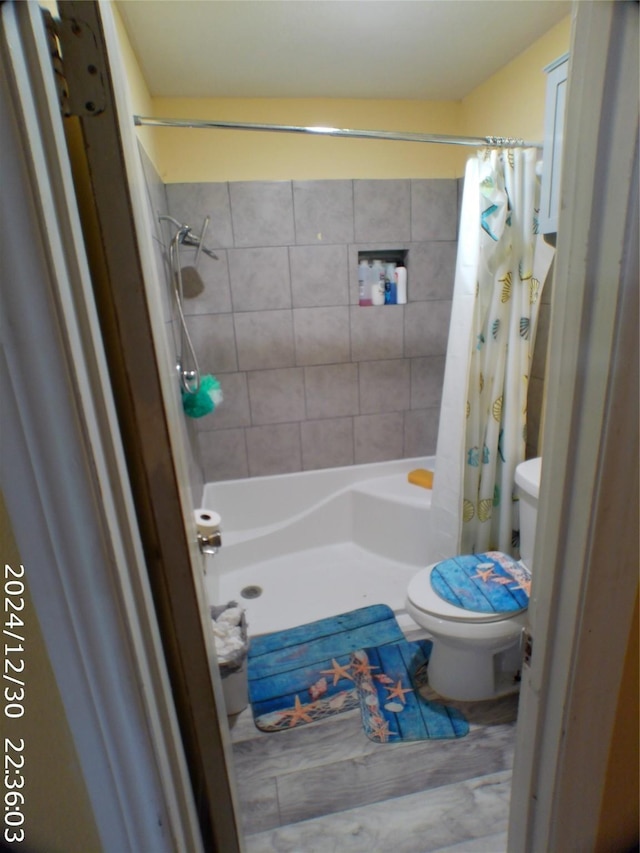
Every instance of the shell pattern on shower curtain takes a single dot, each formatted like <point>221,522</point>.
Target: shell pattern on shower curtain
<point>510,276</point>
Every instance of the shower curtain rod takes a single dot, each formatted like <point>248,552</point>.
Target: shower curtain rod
<point>445,139</point>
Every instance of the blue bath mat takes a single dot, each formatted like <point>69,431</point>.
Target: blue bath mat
<point>303,674</point>
<point>388,679</point>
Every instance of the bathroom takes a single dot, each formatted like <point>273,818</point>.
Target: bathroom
<point>353,174</point>
<point>312,380</point>
<point>278,405</point>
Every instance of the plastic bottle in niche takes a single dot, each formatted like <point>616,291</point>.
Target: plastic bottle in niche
<point>377,282</point>
<point>401,285</point>
<point>364,283</point>
<point>390,289</point>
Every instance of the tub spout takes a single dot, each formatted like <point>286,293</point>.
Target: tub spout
<point>210,544</point>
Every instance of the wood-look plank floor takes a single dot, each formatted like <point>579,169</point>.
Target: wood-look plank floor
<point>326,787</point>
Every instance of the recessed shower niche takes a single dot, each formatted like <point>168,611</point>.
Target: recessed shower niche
<point>382,277</point>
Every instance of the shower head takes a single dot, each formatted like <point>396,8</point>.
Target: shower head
<point>192,283</point>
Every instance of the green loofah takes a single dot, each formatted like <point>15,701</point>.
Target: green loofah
<point>206,398</point>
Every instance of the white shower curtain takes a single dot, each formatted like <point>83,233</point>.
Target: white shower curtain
<point>501,268</point>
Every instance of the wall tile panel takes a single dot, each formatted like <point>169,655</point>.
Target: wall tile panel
<point>191,203</point>
<point>378,438</point>
<point>382,211</point>
<point>224,454</point>
<point>434,210</point>
<point>276,396</point>
<point>213,339</point>
<point>433,270</point>
<point>319,276</point>
<point>427,378</point>
<point>162,290</point>
<point>260,279</point>
<point>265,339</point>
<point>274,449</point>
<point>426,328</point>
<point>377,333</point>
<point>331,391</point>
<point>327,443</point>
<point>321,335</point>
<point>421,432</point>
<point>385,386</point>
<point>262,213</point>
<point>323,211</point>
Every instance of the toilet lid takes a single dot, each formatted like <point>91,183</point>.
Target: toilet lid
<point>491,582</point>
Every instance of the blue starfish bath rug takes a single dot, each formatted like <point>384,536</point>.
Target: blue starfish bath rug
<point>388,679</point>
<point>358,659</point>
<point>304,674</point>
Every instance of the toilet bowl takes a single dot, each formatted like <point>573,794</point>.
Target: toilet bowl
<point>475,608</point>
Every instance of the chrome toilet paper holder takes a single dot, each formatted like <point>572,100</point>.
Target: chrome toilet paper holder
<point>208,530</point>
<point>210,543</point>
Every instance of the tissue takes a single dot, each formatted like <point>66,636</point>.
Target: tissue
<point>229,634</point>
<point>207,521</point>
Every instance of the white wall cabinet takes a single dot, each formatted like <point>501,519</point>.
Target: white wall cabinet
<point>552,146</point>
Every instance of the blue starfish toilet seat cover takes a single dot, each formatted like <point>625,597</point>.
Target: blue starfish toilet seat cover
<point>491,582</point>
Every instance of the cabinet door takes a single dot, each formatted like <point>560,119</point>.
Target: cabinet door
<point>553,139</point>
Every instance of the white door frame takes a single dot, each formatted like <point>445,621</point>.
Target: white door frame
<point>586,551</point>
<point>64,478</point>
<point>150,415</point>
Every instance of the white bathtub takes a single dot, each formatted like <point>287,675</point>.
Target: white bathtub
<point>319,543</point>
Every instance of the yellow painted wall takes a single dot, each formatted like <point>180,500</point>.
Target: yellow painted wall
<point>620,812</point>
<point>139,96</point>
<point>509,103</point>
<point>58,814</point>
<point>222,155</point>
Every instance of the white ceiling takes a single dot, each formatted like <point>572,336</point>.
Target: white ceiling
<point>424,49</point>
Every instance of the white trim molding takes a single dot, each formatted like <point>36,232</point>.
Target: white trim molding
<point>62,474</point>
<point>586,553</point>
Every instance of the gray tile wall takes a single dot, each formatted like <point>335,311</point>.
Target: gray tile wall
<point>157,198</point>
<point>310,378</point>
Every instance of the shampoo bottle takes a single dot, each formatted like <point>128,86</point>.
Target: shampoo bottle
<point>401,285</point>
<point>364,285</point>
<point>377,283</point>
<point>390,289</point>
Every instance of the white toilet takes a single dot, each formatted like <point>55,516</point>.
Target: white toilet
<point>477,652</point>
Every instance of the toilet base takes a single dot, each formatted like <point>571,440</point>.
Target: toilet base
<point>473,658</point>
<point>469,675</point>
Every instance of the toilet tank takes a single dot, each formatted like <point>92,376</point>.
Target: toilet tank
<point>527,489</point>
